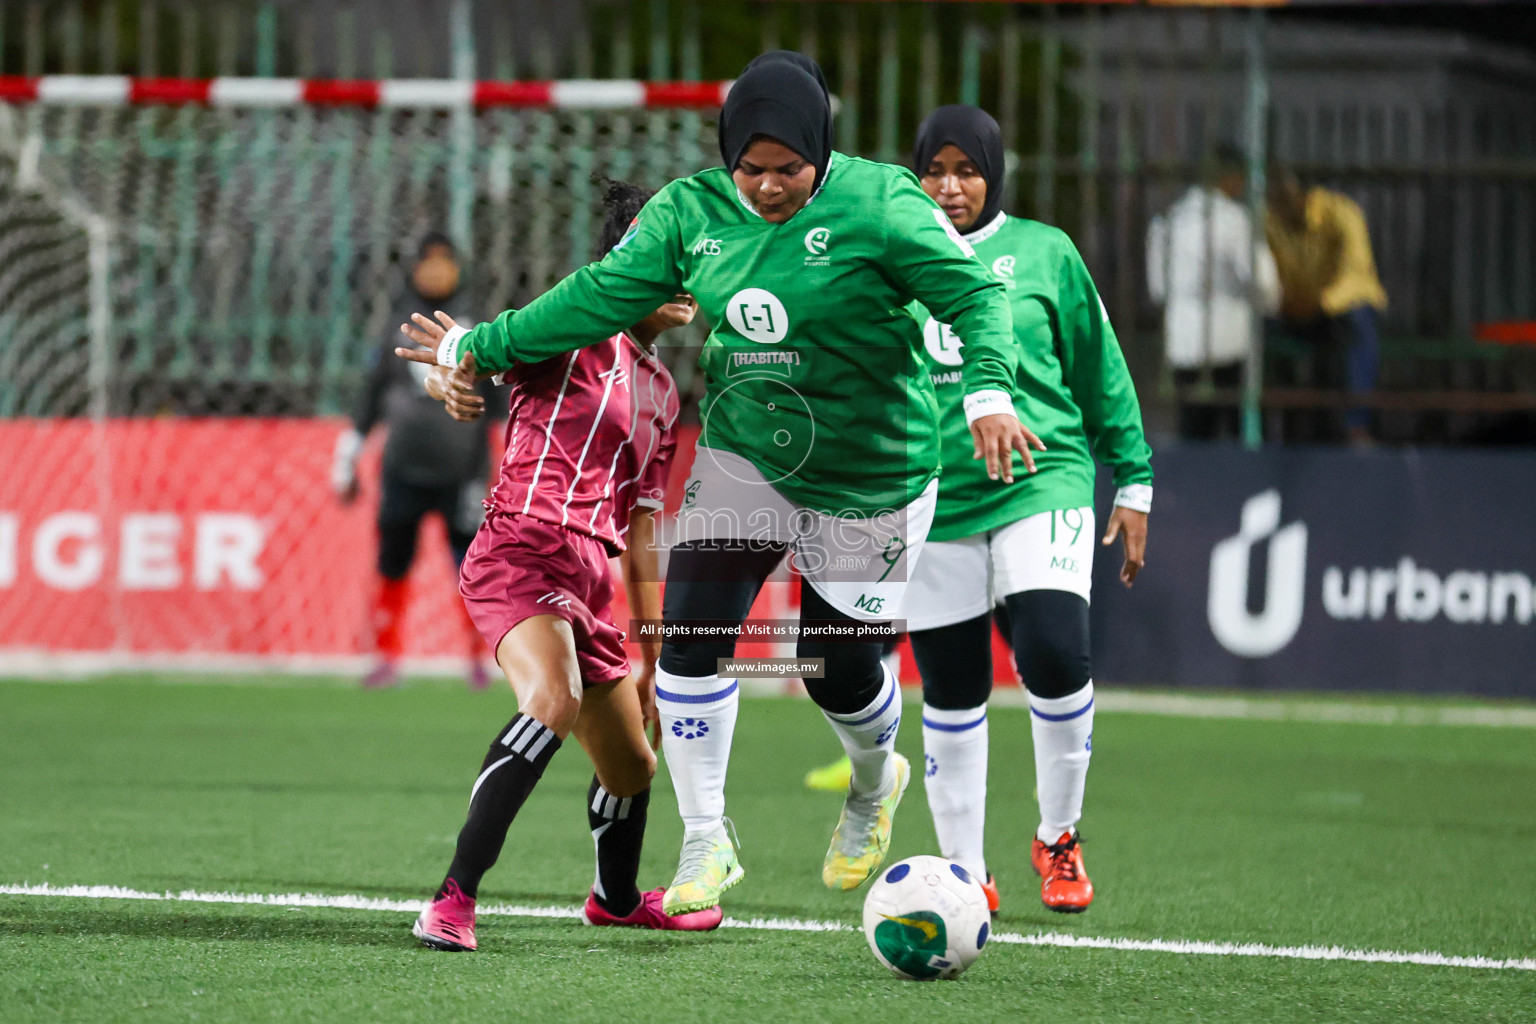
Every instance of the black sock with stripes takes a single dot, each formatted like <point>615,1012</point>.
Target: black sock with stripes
<point>511,769</point>
<point>618,829</point>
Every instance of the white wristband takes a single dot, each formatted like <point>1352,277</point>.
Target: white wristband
<point>448,351</point>
<point>1136,497</point>
<point>988,402</point>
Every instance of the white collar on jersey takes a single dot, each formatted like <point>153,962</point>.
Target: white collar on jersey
<point>980,235</point>
<point>831,165</point>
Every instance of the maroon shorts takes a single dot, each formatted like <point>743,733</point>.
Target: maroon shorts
<point>518,567</point>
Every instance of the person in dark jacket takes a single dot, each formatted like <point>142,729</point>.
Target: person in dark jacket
<point>432,463</point>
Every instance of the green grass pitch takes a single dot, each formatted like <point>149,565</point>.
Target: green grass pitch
<point>1286,833</point>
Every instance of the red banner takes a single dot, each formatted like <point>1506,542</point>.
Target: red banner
<point>216,536</point>
<point>219,537</point>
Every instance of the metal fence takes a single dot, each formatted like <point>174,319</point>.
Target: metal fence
<point>246,260</point>
<point>1107,113</point>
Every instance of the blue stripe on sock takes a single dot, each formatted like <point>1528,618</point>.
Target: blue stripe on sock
<point>947,727</point>
<point>1063,718</point>
<point>695,698</point>
<point>889,697</point>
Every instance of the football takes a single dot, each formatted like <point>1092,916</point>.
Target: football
<point>926,918</point>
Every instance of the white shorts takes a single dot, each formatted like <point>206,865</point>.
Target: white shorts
<point>961,579</point>
<point>859,564</point>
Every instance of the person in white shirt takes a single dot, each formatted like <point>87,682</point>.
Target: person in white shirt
<point>1212,272</point>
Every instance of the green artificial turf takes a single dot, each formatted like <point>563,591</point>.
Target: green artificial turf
<point>1286,833</point>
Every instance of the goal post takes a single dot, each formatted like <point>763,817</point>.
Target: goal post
<point>255,230</point>
<point>192,274</point>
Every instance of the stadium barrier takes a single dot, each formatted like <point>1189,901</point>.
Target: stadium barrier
<point>149,542</point>
<point>1323,569</point>
<point>216,543</point>
<point>148,538</point>
<point>233,246</point>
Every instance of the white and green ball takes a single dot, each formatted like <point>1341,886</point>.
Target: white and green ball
<point>925,918</point>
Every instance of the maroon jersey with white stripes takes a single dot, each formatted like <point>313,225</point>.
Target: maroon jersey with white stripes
<point>590,436</point>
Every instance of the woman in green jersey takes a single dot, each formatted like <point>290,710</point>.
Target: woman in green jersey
<point>1026,545</point>
<point>820,431</point>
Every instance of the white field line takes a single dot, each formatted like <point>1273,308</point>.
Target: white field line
<point>1303,710</point>
<point>1056,939</point>
<point>208,669</point>
<point>1291,709</point>
<point>301,672</point>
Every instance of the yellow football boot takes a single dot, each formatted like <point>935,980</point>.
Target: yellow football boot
<point>863,833</point>
<point>706,868</point>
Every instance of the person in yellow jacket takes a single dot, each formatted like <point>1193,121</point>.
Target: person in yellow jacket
<point>1331,294</point>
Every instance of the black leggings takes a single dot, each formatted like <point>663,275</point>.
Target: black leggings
<point>402,507</point>
<point>1048,631</point>
<point>708,582</point>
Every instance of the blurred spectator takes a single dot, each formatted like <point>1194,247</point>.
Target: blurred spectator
<point>432,463</point>
<point>1214,277</point>
<point>1331,294</point>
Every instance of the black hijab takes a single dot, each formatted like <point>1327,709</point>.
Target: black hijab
<point>796,58</point>
<point>974,132</point>
<point>776,96</point>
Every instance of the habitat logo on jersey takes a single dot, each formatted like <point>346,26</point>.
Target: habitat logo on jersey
<point>779,363</point>
<point>942,343</point>
<point>816,242</point>
<point>757,315</point>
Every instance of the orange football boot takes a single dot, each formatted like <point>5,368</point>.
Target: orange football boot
<point>990,888</point>
<point>1064,885</point>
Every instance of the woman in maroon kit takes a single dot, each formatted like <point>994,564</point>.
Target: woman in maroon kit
<point>590,438</point>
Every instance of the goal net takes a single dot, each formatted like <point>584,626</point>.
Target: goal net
<point>192,275</point>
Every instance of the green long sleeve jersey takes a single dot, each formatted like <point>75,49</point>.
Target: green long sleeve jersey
<point>1072,388</point>
<point>814,367</point>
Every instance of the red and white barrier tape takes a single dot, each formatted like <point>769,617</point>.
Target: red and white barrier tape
<point>398,93</point>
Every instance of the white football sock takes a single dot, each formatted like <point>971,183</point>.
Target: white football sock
<point>1063,734</point>
<point>955,745</point>
<point>869,737</point>
<point>698,719</point>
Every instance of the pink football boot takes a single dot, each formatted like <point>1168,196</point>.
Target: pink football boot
<point>382,676</point>
<point>478,678</point>
<point>650,915</point>
<point>448,923</point>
